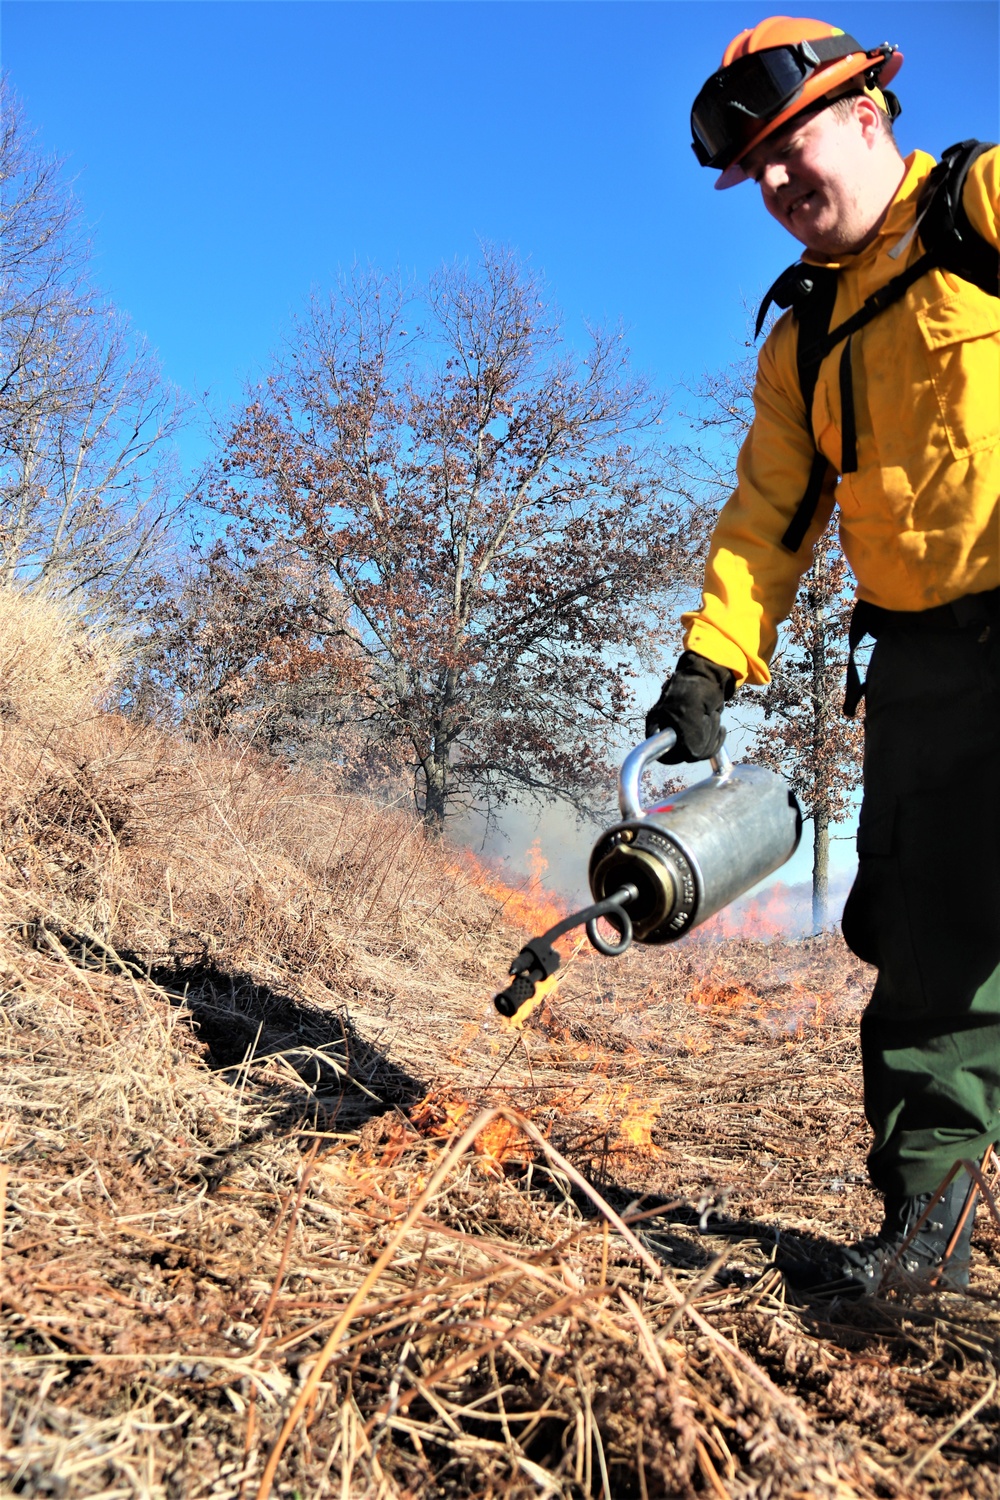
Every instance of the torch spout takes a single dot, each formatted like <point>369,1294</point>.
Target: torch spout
<point>538,959</point>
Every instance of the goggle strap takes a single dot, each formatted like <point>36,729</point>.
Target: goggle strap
<point>810,55</point>
<point>824,49</point>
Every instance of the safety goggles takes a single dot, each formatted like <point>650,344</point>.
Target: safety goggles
<point>736,101</point>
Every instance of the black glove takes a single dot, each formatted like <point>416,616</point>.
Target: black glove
<point>691,704</point>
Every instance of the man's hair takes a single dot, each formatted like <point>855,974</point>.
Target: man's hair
<point>843,108</point>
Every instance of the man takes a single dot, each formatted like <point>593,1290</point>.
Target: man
<point>909,418</point>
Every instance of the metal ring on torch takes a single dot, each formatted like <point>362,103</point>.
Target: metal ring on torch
<point>619,918</point>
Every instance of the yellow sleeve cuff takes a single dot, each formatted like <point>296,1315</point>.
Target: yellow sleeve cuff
<point>718,647</point>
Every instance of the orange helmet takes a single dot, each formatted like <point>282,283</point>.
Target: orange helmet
<point>771,73</point>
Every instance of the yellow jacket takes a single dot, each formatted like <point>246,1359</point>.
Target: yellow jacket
<point>920,519</point>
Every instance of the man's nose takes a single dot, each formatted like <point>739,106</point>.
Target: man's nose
<point>774,175</point>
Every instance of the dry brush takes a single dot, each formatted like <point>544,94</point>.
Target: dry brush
<point>289,1211</point>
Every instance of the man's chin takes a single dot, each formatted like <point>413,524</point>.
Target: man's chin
<point>819,239</point>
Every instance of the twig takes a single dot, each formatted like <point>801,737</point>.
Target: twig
<point>516,1118</point>
<point>946,1437</point>
<point>330,1347</point>
<point>645,1335</point>
<point>265,1321</point>
<point>4,1175</point>
<point>708,1470</point>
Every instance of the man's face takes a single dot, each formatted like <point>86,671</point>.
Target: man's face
<point>816,178</point>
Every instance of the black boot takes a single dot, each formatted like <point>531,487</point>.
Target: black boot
<point>898,1249</point>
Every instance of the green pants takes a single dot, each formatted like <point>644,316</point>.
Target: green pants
<point>925,907</point>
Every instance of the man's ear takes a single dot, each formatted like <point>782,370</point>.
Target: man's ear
<point>867,112</point>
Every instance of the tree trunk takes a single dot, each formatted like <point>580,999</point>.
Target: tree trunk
<point>821,868</point>
<point>436,781</point>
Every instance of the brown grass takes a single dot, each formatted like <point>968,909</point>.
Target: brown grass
<point>290,1211</point>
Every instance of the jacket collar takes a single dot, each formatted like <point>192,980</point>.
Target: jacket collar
<point>898,219</point>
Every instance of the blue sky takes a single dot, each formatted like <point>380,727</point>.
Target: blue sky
<point>230,157</point>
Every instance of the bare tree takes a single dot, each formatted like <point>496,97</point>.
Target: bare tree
<point>803,735</point>
<point>477,499</point>
<point>85,464</point>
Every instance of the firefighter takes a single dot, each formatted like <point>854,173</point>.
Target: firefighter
<point>902,434</point>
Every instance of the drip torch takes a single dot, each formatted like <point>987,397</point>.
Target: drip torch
<point>665,869</point>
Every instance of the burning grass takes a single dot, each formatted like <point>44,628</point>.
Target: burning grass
<point>289,1211</point>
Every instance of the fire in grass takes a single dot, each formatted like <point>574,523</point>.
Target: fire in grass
<point>530,907</point>
<point>770,914</point>
<point>791,1007</point>
<point>444,1113</point>
<point>627,1124</point>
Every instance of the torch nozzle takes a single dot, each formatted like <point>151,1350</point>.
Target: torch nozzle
<point>538,959</point>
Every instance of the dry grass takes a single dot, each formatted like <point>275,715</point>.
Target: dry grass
<point>54,669</point>
<point>289,1211</point>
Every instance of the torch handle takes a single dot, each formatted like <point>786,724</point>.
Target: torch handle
<point>630,775</point>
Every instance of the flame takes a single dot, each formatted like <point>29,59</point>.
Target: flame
<point>442,1112</point>
<point>470,1031</point>
<point>793,1009</point>
<point>632,1130</point>
<point>537,863</point>
<point>636,1130</point>
<point>767,915</point>
<point>531,907</point>
<point>732,997</point>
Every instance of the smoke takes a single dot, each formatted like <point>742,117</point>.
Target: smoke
<point>550,849</point>
<point>549,846</point>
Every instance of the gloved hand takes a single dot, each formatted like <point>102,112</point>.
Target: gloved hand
<point>691,704</point>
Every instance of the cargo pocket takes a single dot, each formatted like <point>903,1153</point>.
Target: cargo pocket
<point>961,334</point>
<point>867,908</point>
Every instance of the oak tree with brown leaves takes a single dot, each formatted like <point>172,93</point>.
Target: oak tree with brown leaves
<point>240,645</point>
<point>488,514</point>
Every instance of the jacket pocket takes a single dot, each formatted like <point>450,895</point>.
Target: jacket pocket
<point>867,911</point>
<point>961,334</point>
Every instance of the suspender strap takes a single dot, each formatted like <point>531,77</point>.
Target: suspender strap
<point>879,301</point>
<point>848,427</point>
<point>806,508</point>
<point>813,301</point>
<point>818,346</point>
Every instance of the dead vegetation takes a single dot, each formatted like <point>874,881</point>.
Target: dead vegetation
<point>289,1211</point>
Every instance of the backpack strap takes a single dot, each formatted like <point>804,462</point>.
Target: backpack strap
<point>950,242</point>
<point>945,229</point>
<point>810,291</point>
